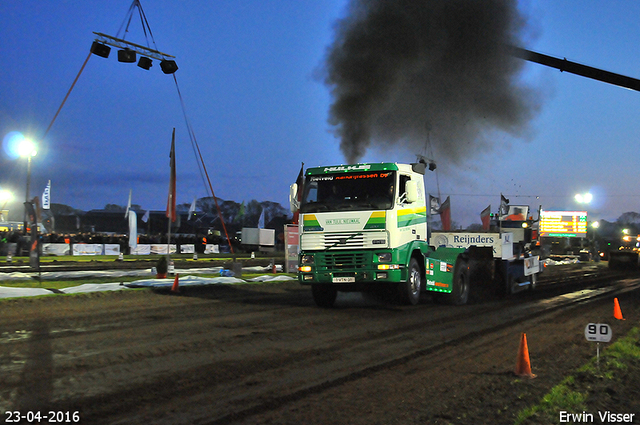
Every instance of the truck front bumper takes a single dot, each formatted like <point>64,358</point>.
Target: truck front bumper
<point>349,269</point>
<point>357,279</point>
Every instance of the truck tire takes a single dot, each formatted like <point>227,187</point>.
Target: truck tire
<point>324,295</point>
<point>410,290</point>
<point>500,281</point>
<point>460,292</point>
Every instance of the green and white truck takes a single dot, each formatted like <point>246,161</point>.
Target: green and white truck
<point>363,227</point>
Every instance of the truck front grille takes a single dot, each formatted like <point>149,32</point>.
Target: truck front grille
<point>342,261</point>
<point>313,241</point>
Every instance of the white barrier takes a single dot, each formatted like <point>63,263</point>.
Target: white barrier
<point>56,249</point>
<point>111,249</point>
<point>141,249</point>
<point>162,249</point>
<point>87,249</point>
<point>211,249</point>
<point>187,249</point>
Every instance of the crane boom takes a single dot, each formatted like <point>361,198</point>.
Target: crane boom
<point>575,68</point>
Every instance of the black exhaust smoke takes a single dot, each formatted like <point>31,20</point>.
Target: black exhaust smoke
<point>400,70</point>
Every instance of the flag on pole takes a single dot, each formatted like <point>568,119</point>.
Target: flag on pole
<point>434,205</point>
<point>504,206</point>
<point>171,201</point>
<point>192,209</point>
<point>240,214</point>
<point>133,230</point>
<point>46,197</point>
<point>445,215</point>
<point>485,217</point>
<point>145,217</point>
<point>261,220</point>
<point>126,213</point>
<point>300,184</point>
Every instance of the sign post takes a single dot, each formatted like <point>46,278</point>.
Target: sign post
<point>598,332</point>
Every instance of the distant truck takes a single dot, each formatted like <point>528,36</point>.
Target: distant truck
<point>363,227</point>
<point>255,239</point>
<point>626,255</point>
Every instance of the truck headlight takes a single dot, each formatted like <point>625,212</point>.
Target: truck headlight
<point>388,266</point>
<point>307,259</point>
<point>384,257</point>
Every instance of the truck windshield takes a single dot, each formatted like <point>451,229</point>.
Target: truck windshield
<point>349,192</point>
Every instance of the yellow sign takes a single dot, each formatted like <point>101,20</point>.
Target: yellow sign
<point>563,224</point>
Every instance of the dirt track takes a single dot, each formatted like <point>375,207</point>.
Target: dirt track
<point>266,354</point>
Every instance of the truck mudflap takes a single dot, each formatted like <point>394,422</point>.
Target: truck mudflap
<point>439,269</point>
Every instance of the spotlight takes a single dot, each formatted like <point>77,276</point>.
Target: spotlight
<point>168,66</point>
<point>145,63</point>
<point>126,55</point>
<point>100,49</point>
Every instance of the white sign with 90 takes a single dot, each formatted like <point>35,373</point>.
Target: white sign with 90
<point>598,332</point>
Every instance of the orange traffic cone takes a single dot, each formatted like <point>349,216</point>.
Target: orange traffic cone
<point>617,313</point>
<point>175,288</point>
<point>523,365</point>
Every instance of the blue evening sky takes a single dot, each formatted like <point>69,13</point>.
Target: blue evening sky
<point>247,74</point>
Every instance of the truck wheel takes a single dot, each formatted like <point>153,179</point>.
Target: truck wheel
<point>410,290</point>
<point>460,292</point>
<point>324,295</point>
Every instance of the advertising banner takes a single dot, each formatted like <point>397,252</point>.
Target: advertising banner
<point>87,249</point>
<point>212,249</point>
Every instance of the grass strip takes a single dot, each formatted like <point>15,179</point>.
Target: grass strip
<point>597,388</point>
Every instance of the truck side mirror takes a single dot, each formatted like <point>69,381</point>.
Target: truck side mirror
<point>412,191</point>
<point>294,205</point>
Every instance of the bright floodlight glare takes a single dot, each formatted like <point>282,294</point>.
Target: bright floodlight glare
<point>27,148</point>
<point>583,199</point>
<point>5,196</point>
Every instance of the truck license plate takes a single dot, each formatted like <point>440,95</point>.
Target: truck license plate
<point>351,279</point>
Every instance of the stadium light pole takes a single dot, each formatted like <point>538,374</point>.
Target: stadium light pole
<point>27,149</point>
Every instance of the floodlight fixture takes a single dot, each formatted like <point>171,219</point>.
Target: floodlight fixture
<point>145,63</point>
<point>126,55</point>
<point>27,148</point>
<point>128,51</point>
<point>583,198</point>
<point>100,49</point>
<point>5,196</point>
<point>168,66</point>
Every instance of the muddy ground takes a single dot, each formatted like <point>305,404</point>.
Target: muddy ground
<point>265,354</point>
